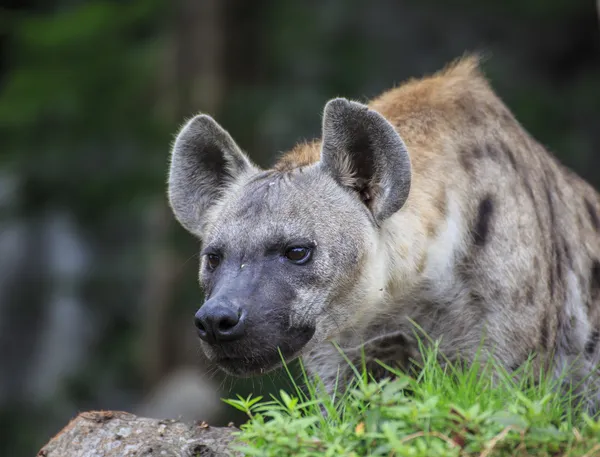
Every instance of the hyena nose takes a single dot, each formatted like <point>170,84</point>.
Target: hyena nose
<point>217,323</point>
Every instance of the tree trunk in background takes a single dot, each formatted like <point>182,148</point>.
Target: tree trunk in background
<point>197,80</point>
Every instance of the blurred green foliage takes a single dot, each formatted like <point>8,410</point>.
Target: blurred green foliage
<point>79,95</point>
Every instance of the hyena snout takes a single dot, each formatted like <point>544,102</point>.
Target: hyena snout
<point>219,321</point>
<point>250,335</point>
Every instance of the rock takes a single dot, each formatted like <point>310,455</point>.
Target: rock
<point>121,434</point>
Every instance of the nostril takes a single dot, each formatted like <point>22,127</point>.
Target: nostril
<point>198,323</point>
<point>230,325</point>
<point>202,329</point>
<point>228,322</point>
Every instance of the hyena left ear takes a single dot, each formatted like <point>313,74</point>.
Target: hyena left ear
<point>363,151</point>
<point>205,160</point>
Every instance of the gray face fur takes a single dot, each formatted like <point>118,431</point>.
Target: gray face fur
<point>248,219</point>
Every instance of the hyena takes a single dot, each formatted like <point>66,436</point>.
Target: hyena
<point>430,205</point>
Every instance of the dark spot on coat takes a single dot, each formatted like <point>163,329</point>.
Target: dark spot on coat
<point>467,156</point>
<point>516,297</point>
<point>497,152</point>
<point>567,252</point>
<point>557,266</point>
<point>558,263</point>
<point>544,332</point>
<point>592,342</point>
<point>529,190</point>
<point>392,343</point>
<point>529,295</point>
<point>551,209</point>
<point>551,280</point>
<point>496,294</point>
<point>465,161</point>
<point>493,152</point>
<point>477,302</point>
<point>595,280</point>
<point>482,224</point>
<point>594,219</point>
<point>511,157</point>
<point>514,367</point>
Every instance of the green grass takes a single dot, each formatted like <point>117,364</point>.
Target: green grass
<point>441,411</point>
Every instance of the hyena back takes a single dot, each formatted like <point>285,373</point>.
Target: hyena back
<point>432,204</point>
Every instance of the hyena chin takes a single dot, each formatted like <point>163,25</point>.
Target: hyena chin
<point>431,204</point>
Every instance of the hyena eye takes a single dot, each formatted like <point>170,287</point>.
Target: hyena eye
<point>213,261</point>
<point>298,255</point>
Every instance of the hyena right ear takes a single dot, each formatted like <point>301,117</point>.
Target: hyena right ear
<point>204,161</point>
<point>363,152</point>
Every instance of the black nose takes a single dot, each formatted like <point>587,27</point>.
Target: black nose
<point>217,323</point>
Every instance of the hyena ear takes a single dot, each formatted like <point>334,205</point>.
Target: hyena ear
<point>204,161</point>
<point>363,151</point>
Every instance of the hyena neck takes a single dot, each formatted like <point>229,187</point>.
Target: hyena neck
<point>423,241</point>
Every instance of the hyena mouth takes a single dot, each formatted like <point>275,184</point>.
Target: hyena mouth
<point>252,359</point>
<point>246,367</point>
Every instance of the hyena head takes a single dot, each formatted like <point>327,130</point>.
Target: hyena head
<point>289,259</point>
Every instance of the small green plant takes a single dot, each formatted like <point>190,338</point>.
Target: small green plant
<point>443,410</point>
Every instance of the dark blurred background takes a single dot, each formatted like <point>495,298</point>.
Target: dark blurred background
<point>97,282</point>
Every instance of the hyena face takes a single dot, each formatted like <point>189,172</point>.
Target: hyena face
<point>289,259</point>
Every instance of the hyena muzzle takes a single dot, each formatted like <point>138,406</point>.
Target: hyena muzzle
<point>430,205</point>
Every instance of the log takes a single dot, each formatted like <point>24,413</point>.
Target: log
<point>121,434</point>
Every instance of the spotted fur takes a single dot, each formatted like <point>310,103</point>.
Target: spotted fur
<point>433,205</point>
